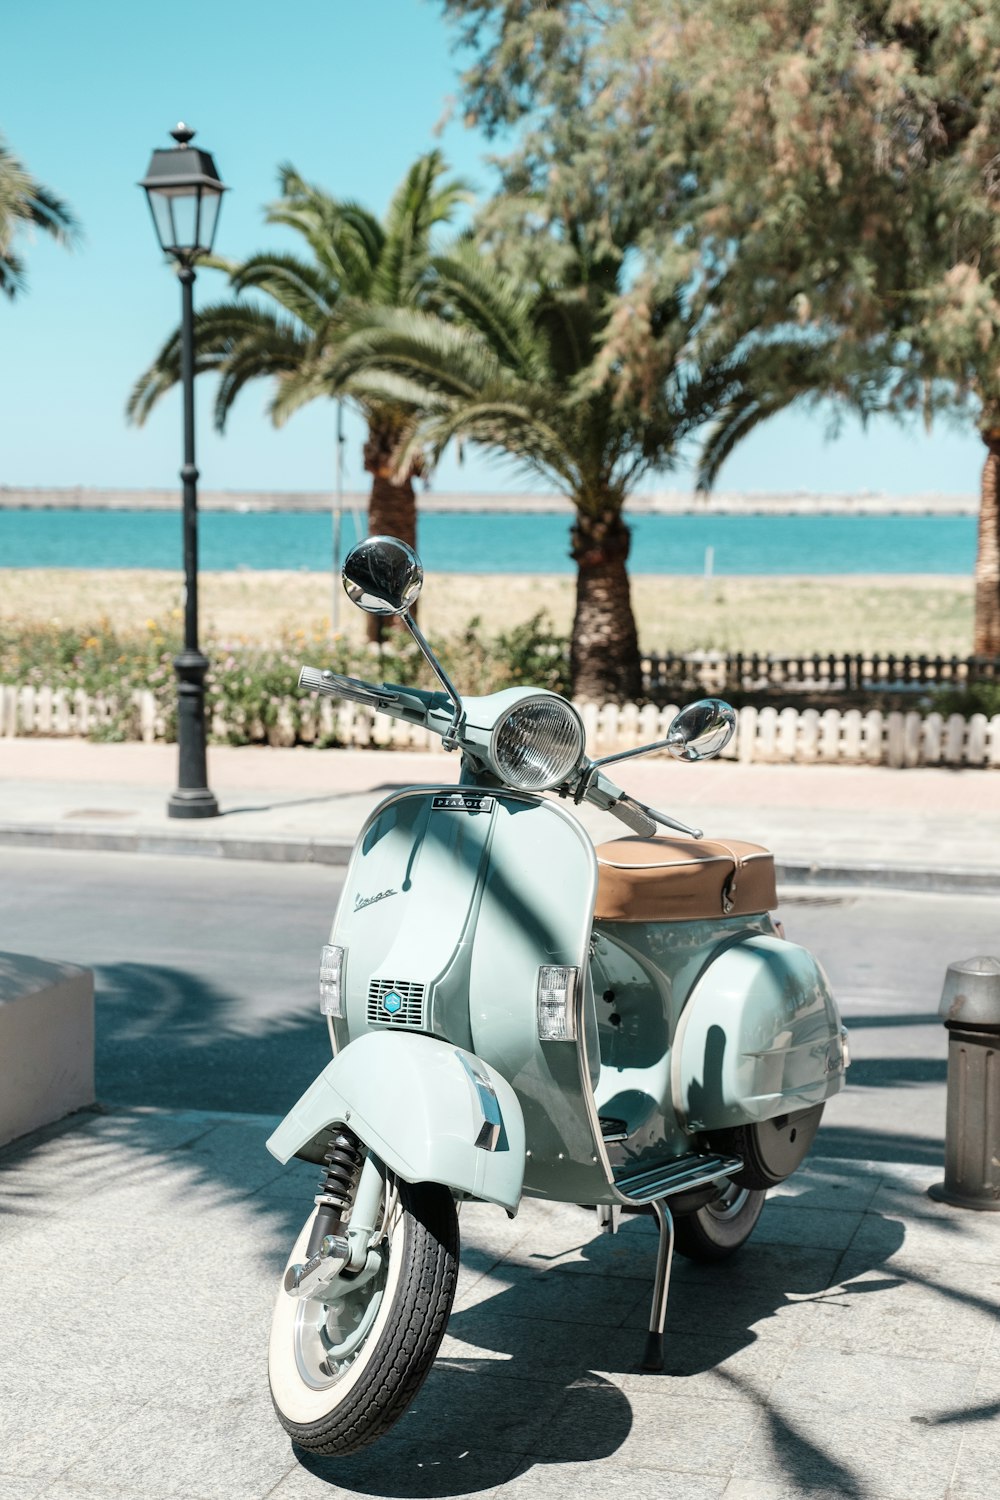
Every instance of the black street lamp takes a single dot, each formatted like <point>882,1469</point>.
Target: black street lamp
<point>185,193</point>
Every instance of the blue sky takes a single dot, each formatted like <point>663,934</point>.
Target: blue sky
<point>348,92</point>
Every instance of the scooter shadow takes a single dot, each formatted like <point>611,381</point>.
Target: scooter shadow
<point>540,1370</point>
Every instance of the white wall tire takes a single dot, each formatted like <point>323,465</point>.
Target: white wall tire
<point>341,1376</point>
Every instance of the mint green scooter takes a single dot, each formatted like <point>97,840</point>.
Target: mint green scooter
<point>514,1012</point>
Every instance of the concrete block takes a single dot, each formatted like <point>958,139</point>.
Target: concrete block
<point>46,1042</point>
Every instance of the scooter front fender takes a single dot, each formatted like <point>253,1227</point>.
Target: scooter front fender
<point>429,1110</point>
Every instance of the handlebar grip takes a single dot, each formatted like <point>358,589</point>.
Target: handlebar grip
<point>634,816</point>
<point>312,680</point>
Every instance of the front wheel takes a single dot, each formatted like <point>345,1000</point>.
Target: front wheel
<point>344,1370</point>
<point>718,1229</point>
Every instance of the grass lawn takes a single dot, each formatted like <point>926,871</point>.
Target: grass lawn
<point>921,614</point>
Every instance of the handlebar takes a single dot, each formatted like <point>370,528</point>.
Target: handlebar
<point>313,680</point>
<point>436,711</point>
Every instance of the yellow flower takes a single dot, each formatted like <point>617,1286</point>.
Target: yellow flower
<point>92,641</point>
<point>150,624</point>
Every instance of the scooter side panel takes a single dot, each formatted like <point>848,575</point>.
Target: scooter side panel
<point>414,1101</point>
<point>643,974</point>
<point>536,908</point>
<point>759,1036</point>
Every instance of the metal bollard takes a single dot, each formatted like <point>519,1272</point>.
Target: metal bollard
<point>970,1005</point>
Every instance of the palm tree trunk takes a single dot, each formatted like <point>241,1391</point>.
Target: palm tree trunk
<point>604,653</point>
<point>986,629</point>
<point>392,506</point>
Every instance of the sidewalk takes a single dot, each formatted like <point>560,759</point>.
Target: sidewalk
<point>849,1350</point>
<point>920,829</point>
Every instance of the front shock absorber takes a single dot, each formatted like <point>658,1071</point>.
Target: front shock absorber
<point>341,1169</point>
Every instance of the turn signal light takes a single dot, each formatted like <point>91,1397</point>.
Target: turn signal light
<point>331,986</point>
<point>555,1003</point>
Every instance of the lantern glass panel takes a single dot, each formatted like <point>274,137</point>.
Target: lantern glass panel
<point>211,202</point>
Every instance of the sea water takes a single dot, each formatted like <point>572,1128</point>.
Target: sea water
<point>478,542</point>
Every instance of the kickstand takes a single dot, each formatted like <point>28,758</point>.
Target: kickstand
<point>653,1357</point>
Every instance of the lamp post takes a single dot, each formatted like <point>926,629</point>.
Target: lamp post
<point>185,193</point>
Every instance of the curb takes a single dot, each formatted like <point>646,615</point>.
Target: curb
<point>942,880</point>
<point>277,850</point>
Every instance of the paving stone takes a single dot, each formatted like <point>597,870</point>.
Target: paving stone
<point>395,1467</point>
<point>840,1186</point>
<point>760,1289</point>
<point>911,1310</point>
<point>43,1432</point>
<point>558,1296</point>
<point>537,1348</point>
<point>927,1239</point>
<point>789,1221</point>
<point>762,1489</point>
<point>905,1192</point>
<point>686,1434</point>
<point>815,1449</point>
<point>62,1490</point>
<point>19,1487</point>
<point>705,1365</point>
<point>189,1453</point>
<point>860,1380</point>
<point>975,1476</point>
<point>607,1478</point>
<point>465,1403</point>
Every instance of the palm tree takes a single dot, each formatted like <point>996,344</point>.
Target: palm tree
<point>355,262</point>
<point>584,385</point>
<point>26,204</point>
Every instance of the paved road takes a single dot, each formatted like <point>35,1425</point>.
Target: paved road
<point>207,982</point>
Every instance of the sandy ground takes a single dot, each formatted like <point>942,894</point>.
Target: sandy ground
<point>925,613</point>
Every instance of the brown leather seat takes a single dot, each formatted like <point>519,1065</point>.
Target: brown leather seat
<point>682,880</point>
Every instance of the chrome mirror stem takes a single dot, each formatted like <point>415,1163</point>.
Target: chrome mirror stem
<point>450,737</point>
<point>608,760</point>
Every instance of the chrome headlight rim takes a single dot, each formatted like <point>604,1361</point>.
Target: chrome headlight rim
<point>566,766</point>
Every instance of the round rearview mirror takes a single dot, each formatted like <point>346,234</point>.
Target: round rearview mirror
<point>383,576</point>
<point>701,730</point>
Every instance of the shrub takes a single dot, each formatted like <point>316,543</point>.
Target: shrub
<point>248,685</point>
<point>977,698</point>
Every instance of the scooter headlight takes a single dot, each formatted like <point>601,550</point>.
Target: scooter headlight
<point>537,743</point>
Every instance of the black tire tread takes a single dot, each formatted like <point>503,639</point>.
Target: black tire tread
<point>408,1344</point>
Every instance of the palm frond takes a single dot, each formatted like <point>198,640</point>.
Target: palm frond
<point>418,204</point>
<point>469,290</point>
<point>300,288</point>
<point>220,332</point>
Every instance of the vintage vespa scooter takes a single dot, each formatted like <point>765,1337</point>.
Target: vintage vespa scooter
<point>514,1012</point>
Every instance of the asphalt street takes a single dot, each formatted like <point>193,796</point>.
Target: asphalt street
<point>206,982</point>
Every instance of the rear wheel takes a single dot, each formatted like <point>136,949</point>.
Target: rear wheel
<point>718,1229</point>
<point>343,1370</point>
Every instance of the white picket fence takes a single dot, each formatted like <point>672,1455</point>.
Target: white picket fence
<point>763,734</point>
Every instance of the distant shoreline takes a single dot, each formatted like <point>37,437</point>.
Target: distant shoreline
<point>660,502</point>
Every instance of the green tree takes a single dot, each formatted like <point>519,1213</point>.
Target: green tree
<point>290,311</point>
<point>582,382</point>
<point>848,174</point>
<point>25,204</point>
<point>839,167</point>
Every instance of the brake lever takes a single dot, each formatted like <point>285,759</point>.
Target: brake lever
<point>604,798</point>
